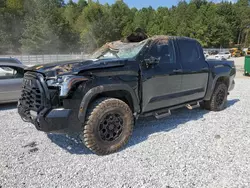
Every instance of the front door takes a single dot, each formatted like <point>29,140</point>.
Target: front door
<point>161,83</point>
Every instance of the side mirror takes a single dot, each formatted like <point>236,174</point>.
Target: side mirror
<point>151,61</point>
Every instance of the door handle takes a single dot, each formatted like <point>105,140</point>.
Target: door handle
<point>205,69</point>
<point>178,71</point>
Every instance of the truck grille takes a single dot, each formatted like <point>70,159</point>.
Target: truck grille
<point>33,96</point>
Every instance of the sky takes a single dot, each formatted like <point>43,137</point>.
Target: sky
<point>143,3</point>
<point>147,3</point>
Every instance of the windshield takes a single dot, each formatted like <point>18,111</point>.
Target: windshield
<point>119,50</point>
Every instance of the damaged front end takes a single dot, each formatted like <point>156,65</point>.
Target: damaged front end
<point>65,83</point>
<point>42,101</point>
<point>49,99</point>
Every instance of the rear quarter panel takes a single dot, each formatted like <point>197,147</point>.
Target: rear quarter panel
<point>219,69</point>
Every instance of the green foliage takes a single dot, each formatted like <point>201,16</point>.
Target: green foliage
<point>5,37</point>
<point>82,3</point>
<point>51,26</point>
<point>14,4</point>
<point>11,20</point>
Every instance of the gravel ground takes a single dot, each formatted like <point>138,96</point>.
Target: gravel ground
<point>188,149</point>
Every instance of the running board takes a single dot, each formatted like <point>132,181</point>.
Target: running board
<point>162,113</point>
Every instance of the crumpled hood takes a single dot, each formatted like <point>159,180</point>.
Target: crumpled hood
<point>75,66</point>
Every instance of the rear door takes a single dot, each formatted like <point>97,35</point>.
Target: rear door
<point>195,70</point>
<point>11,78</point>
<point>161,83</point>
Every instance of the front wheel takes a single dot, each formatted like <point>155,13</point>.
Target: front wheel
<point>218,100</point>
<point>108,127</point>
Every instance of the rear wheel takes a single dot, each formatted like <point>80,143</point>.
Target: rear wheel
<point>218,100</point>
<point>108,127</point>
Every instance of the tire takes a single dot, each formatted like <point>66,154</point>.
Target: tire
<point>218,100</point>
<point>108,127</point>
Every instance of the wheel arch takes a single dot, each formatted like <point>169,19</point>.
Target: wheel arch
<point>219,78</point>
<point>119,91</point>
<point>223,79</point>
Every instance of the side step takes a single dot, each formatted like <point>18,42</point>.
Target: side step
<point>191,107</point>
<point>163,115</point>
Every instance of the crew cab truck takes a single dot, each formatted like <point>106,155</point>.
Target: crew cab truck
<point>101,97</point>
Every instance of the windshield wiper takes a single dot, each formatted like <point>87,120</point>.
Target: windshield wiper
<point>111,50</point>
<point>114,52</point>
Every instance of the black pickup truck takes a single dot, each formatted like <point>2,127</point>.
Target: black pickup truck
<point>100,97</point>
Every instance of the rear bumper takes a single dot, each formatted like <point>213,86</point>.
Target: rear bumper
<point>231,82</point>
<point>58,120</point>
<point>231,86</point>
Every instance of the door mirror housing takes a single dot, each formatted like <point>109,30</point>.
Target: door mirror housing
<point>151,61</point>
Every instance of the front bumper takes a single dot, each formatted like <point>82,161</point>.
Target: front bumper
<point>50,121</point>
<point>39,105</point>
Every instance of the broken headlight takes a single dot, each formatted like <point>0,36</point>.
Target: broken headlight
<point>65,83</point>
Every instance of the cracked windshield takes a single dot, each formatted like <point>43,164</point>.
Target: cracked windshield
<point>125,51</point>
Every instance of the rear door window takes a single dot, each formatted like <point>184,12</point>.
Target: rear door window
<point>189,51</point>
<point>190,54</point>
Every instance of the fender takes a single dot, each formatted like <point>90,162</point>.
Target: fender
<point>212,83</point>
<point>104,88</point>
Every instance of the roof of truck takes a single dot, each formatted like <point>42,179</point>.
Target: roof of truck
<point>120,44</point>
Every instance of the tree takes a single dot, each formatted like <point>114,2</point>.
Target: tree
<point>120,16</point>
<point>198,3</point>
<point>51,26</point>
<point>81,4</point>
<point>5,37</point>
<point>46,31</point>
<point>142,18</point>
<point>242,9</point>
<point>11,14</point>
<point>90,25</point>
<point>71,13</point>
<point>15,4</point>
<point>39,38</point>
<point>2,3</point>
